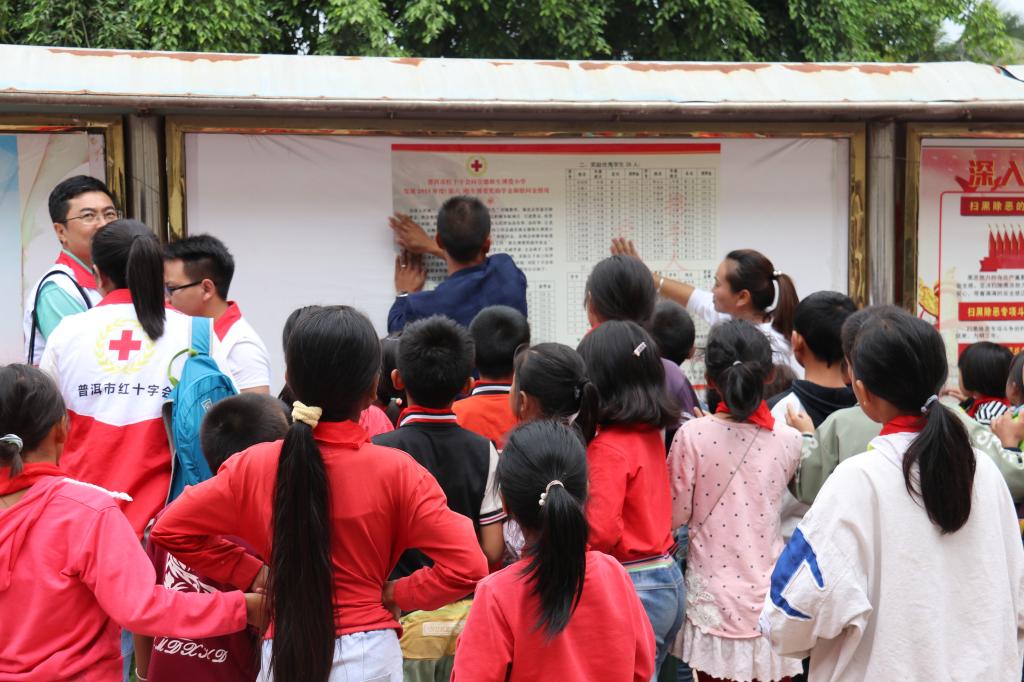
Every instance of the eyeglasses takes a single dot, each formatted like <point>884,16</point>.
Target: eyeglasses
<point>169,290</point>
<point>90,218</point>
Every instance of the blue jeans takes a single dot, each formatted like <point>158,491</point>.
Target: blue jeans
<point>663,595</point>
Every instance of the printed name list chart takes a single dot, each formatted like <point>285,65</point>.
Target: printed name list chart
<point>555,208</point>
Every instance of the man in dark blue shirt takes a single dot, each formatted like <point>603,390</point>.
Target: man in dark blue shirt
<point>475,280</point>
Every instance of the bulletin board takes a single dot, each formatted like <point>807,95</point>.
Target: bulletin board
<point>304,208</point>
<point>965,196</point>
<point>37,153</point>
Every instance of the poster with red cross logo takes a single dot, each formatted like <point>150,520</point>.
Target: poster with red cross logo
<point>971,242</point>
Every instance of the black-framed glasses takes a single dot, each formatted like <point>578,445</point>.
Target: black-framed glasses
<point>168,290</point>
<point>90,218</point>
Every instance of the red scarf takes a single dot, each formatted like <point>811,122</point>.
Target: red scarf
<point>905,423</point>
<point>762,416</point>
<point>984,400</point>
<point>29,475</point>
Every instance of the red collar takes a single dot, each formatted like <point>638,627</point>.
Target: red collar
<point>31,473</point>
<point>491,388</point>
<point>984,400</point>
<point>346,434</point>
<point>762,416</point>
<point>116,296</point>
<point>223,323</point>
<point>414,414</point>
<point>85,278</point>
<point>905,423</point>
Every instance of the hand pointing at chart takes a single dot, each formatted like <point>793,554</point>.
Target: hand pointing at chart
<point>412,237</point>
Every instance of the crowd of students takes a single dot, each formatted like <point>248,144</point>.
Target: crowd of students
<point>519,511</point>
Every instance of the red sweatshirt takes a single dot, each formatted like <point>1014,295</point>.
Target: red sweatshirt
<point>608,636</point>
<point>630,506</point>
<point>382,503</point>
<point>72,573</point>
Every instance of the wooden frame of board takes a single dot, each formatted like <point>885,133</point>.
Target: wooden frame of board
<point>112,128</point>
<point>177,127</point>
<point>916,133</point>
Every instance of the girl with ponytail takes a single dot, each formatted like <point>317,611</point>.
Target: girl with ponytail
<point>333,512</point>
<point>728,474</point>
<point>111,366</point>
<point>562,612</point>
<point>747,286</point>
<point>917,535</point>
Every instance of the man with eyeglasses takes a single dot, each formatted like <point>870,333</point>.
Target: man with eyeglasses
<point>79,207</point>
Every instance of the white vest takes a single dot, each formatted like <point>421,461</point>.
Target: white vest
<point>65,283</point>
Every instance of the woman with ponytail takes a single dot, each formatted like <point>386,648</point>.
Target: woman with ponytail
<point>333,512</point>
<point>111,365</point>
<point>747,287</point>
<point>728,474</point>
<point>562,612</point>
<point>630,507</point>
<point>909,563</point>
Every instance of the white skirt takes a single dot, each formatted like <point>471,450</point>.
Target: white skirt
<point>372,656</point>
<point>742,660</point>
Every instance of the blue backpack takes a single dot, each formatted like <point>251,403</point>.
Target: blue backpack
<point>192,395</point>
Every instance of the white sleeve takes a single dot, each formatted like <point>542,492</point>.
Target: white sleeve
<point>249,365</point>
<point>779,411</point>
<point>491,510</point>
<point>48,363</point>
<point>702,305</point>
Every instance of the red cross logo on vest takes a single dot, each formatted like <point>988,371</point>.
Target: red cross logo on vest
<point>125,345</point>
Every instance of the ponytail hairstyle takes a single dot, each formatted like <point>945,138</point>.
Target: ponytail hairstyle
<point>129,255</point>
<point>902,360</point>
<point>30,406</point>
<point>333,360</point>
<point>771,292</point>
<point>556,376</point>
<point>1015,380</point>
<point>542,475</point>
<point>623,362</point>
<point>622,288</point>
<point>738,361</point>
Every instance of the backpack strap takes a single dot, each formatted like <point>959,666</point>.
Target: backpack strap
<point>201,329</point>
<point>35,308</point>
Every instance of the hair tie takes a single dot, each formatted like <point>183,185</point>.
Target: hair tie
<point>577,390</point>
<point>737,362</point>
<point>640,349</point>
<point>775,285</point>
<point>928,403</point>
<point>14,440</point>
<point>776,274</point>
<point>544,495</point>
<point>308,415</point>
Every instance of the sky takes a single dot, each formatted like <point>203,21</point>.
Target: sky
<point>1015,6</point>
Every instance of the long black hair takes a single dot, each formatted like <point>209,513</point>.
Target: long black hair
<point>623,362</point>
<point>333,359</point>
<point>621,288</point>
<point>129,254</point>
<point>902,360</point>
<point>556,376</point>
<point>738,361</point>
<point>30,405</point>
<point>536,454</point>
<point>772,293</point>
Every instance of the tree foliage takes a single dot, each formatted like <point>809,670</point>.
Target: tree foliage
<point>739,30</point>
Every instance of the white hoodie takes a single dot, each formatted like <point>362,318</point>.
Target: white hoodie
<point>873,591</point>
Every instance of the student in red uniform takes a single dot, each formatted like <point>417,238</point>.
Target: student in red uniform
<point>498,331</point>
<point>562,613</point>
<point>333,513</point>
<point>197,275</point>
<point>111,366</point>
<point>630,508</point>
<point>232,425</point>
<point>72,572</point>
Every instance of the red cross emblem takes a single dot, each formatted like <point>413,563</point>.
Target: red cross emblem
<point>125,345</point>
<point>477,165</point>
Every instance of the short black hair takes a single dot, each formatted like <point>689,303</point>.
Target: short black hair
<point>435,358</point>
<point>71,188</point>
<point>819,320</point>
<point>463,225</point>
<point>498,331</point>
<point>239,422</point>
<point>621,288</point>
<point>389,398</point>
<point>205,257</point>
<point>673,331</point>
<point>984,368</point>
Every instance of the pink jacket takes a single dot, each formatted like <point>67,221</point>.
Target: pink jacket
<point>72,573</point>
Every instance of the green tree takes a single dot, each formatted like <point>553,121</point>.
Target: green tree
<point>757,30</point>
